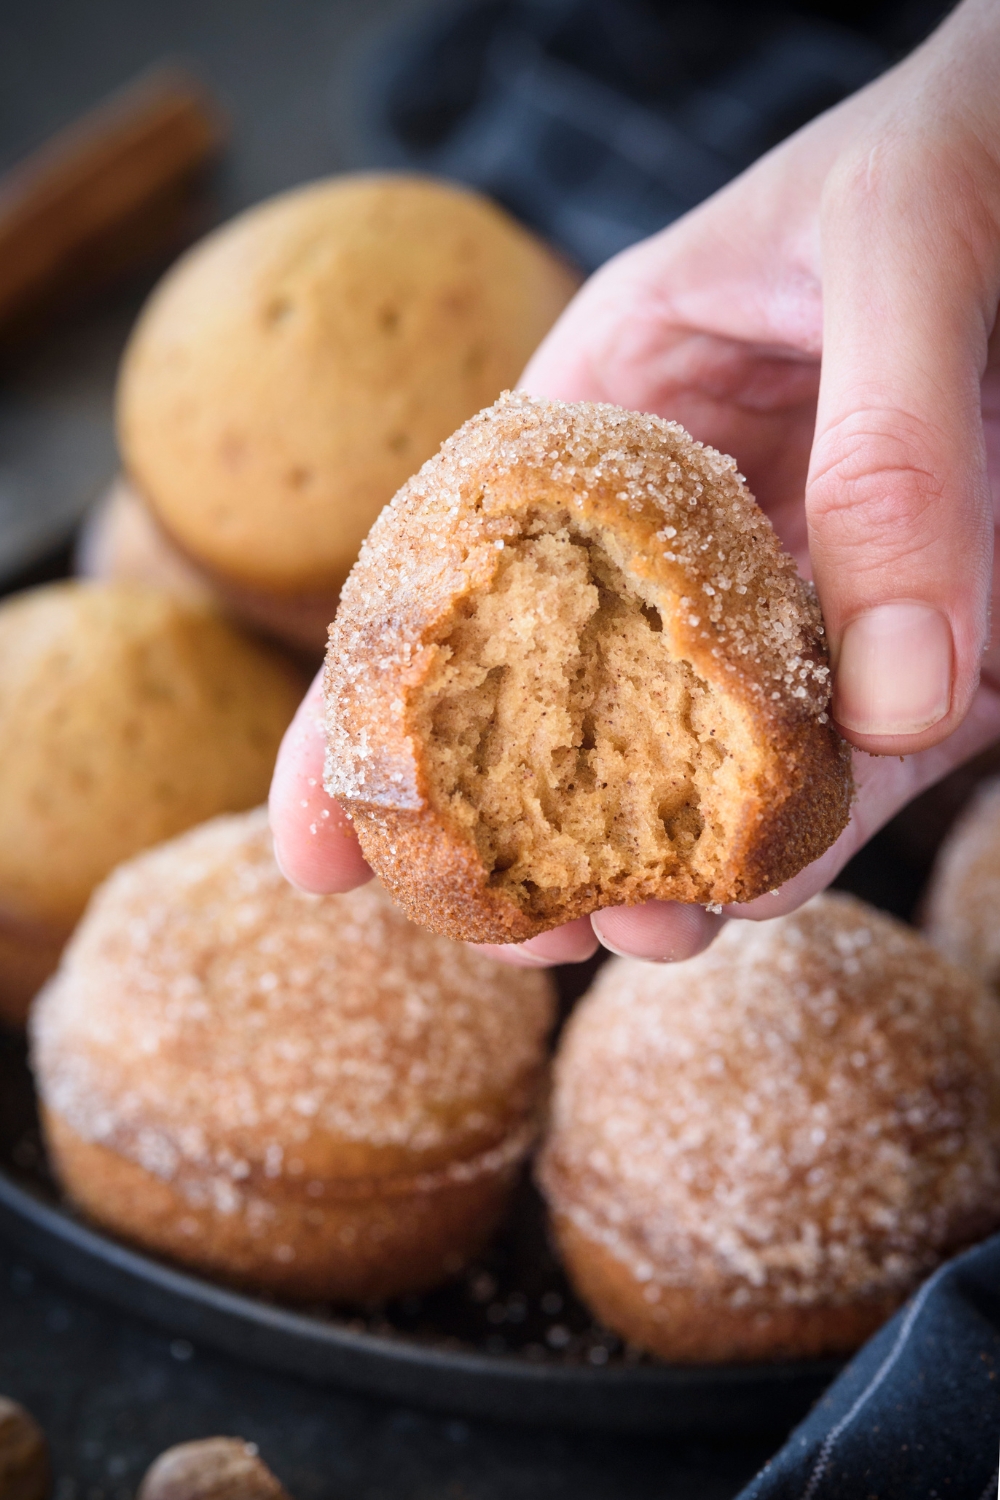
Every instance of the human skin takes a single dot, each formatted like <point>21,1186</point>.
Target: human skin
<point>830,319</point>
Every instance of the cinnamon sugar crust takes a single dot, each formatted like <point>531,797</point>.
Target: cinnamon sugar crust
<point>760,1152</point>
<point>307,1093</point>
<point>573,668</point>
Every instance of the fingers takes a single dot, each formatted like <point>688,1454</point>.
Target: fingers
<point>897,499</point>
<point>320,853</point>
<point>661,932</point>
<point>667,932</point>
<point>314,843</point>
<point>883,786</point>
<point>571,944</point>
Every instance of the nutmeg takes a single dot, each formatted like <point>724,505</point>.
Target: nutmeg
<point>217,1468</point>
<point>24,1458</point>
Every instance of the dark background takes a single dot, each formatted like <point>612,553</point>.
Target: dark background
<point>110,1391</point>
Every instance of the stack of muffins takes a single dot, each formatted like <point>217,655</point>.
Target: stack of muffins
<point>314,1097</point>
<point>754,1155</point>
<point>295,368</point>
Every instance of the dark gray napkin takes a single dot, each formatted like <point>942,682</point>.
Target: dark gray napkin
<point>600,121</point>
<point>917,1412</point>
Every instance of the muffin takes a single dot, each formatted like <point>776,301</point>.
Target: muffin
<point>759,1153</point>
<point>126,715</point>
<point>295,367</point>
<point>962,905</point>
<point>120,542</point>
<point>299,1093</point>
<point>573,668</point>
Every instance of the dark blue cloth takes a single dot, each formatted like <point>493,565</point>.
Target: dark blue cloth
<point>600,121</point>
<point>915,1415</point>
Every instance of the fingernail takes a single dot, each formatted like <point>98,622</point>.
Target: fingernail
<point>513,954</point>
<point>658,932</point>
<point>281,868</point>
<point>894,670</point>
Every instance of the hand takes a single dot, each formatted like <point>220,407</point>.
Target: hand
<point>829,319</point>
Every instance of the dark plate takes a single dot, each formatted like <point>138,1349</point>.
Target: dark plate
<point>508,1340</point>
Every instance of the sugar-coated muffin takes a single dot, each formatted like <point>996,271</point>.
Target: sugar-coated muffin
<point>759,1153</point>
<point>573,668</point>
<point>307,1094</point>
<point>126,715</point>
<point>298,364</point>
<point>962,905</point>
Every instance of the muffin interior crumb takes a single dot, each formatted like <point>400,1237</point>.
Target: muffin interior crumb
<point>566,737</point>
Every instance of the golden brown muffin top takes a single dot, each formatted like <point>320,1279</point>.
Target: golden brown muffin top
<point>297,365</point>
<point>206,1011</point>
<point>126,715</point>
<point>813,1103</point>
<point>670,512</point>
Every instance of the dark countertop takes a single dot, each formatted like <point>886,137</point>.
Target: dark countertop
<point>112,1393</point>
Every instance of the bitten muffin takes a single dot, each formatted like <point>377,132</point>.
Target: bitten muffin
<point>296,366</point>
<point>126,715</point>
<point>573,668</point>
<point>307,1094</point>
<point>759,1153</point>
<point>962,905</point>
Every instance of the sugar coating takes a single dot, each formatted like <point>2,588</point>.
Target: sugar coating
<point>705,545</point>
<point>963,903</point>
<point>807,1113</point>
<point>207,1015</point>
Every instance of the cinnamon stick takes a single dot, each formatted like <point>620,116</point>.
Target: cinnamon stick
<point>105,196</point>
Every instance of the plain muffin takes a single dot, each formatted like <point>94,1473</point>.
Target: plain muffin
<point>573,668</point>
<point>126,715</point>
<point>296,366</point>
<point>759,1153</point>
<point>302,1093</point>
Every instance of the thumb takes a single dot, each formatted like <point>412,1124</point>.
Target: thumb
<point>897,498</point>
<point>314,844</point>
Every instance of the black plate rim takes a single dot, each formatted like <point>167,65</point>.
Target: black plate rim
<point>502,1386</point>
